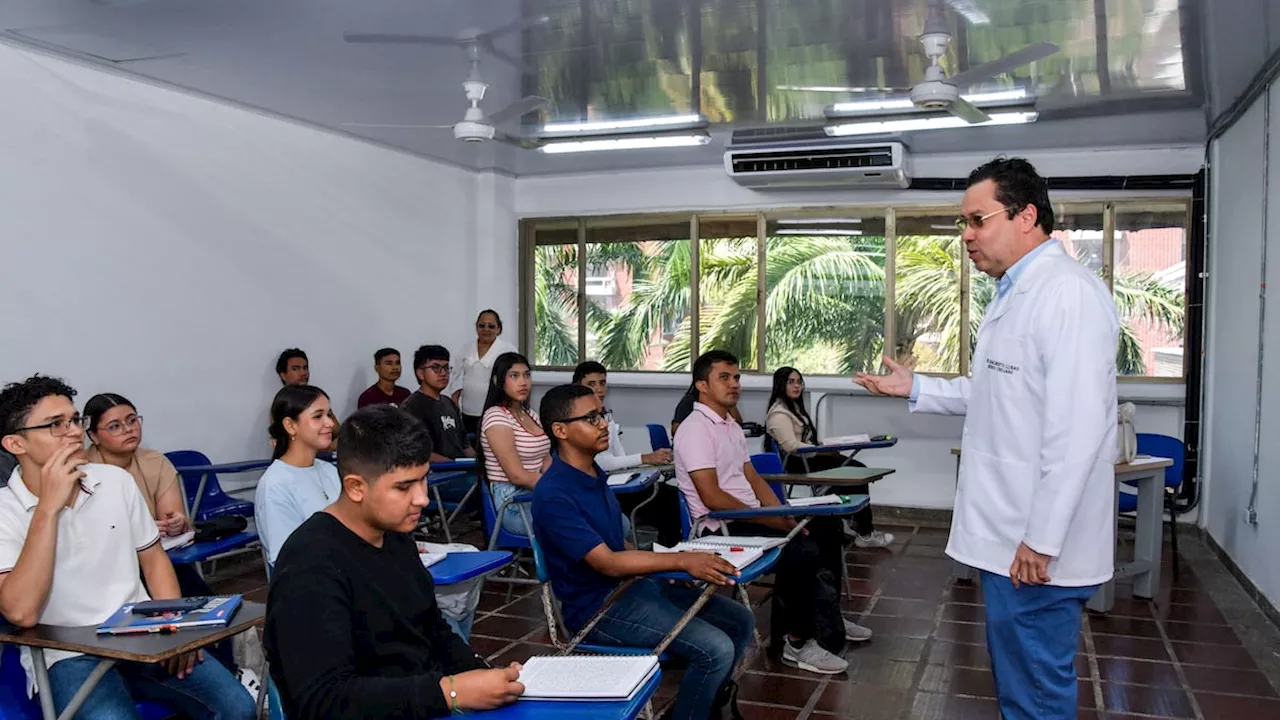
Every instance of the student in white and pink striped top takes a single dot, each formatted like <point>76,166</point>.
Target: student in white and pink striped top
<point>516,450</point>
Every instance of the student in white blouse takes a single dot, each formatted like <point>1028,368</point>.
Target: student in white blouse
<point>471,374</point>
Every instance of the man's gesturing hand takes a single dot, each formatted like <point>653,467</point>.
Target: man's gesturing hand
<point>896,384</point>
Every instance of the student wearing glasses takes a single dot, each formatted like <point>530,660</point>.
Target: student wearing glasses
<point>576,519</point>
<point>471,378</point>
<point>49,575</point>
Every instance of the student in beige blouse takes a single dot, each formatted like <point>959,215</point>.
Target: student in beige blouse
<point>790,428</point>
<point>115,429</point>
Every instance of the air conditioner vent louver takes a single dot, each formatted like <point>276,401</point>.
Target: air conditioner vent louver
<point>882,165</point>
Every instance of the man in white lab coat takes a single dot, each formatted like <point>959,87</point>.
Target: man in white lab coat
<point>1034,501</point>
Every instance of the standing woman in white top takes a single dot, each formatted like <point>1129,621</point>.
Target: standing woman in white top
<point>516,450</point>
<point>472,374</point>
<point>296,484</point>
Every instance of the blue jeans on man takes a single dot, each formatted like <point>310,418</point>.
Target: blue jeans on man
<point>210,692</point>
<point>713,641</point>
<point>1032,635</point>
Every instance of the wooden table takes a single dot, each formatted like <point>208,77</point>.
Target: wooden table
<point>141,648</point>
<point>1148,474</point>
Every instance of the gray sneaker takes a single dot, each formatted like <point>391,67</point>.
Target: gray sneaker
<point>813,657</point>
<point>873,539</point>
<point>853,632</point>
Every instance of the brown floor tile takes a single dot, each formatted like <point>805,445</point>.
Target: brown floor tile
<point>490,601</point>
<point>1083,670</point>
<point>486,646</point>
<point>1161,702</point>
<point>753,711</point>
<point>1122,625</point>
<point>932,706</point>
<point>855,604</point>
<point>928,546</point>
<point>965,593</point>
<point>964,612</point>
<point>903,608</point>
<point>889,648</point>
<point>776,689</point>
<point>526,607</point>
<point>859,586</point>
<point>864,572</point>
<point>950,680</point>
<point>1231,656</point>
<point>1228,681</point>
<point>1130,647</point>
<point>898,627</point>
<point>917,586</point>
<point>961,654</point>
<point>972,633</point>
<point>506,627</point>
<point>1138,672</point>
<point>1202,613</point>
<point>1198,633</point>
<point>1084,694</point>
<point>865,702</point>
<point>1131,607</point>
<point>1227,707</point>
<point>520,653</point>
<point>765,663</point>
<point>865,670</point>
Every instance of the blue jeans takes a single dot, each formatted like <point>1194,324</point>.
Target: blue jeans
<point>1032,633</point>
<point>210,692</point>
<point>713,642</point>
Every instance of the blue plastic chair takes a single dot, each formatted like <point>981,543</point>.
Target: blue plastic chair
<point>505,540</point>
<point>1174,449</point>
<point>215,502</point>
<point>15,705</point>
<point>770,464</point>
<point>275,710</point>
<point>658,439</point>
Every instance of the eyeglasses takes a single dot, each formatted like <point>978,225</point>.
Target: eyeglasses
<point>976,221</point>
<point>595,418</point>
<point>117,427</point>
<point>486,326</point>
<point>439,368</point>
<point>58,428</point>
<point>795,381</point>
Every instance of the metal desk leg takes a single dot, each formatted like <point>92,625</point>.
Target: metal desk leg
<point>77,700</point>
<point>463,502</point>
<point>1104,598</point>
<point>195,504</point>
<point>42,684</point>
<point>444,518</point>
<point>959,571</point>
<point>1147,536</point>
<point>635,535</point>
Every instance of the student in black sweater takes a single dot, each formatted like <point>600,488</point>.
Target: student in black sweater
<point>352,629</point>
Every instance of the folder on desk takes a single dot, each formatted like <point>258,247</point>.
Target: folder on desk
<point>216,612</point>
<point>586,677</point>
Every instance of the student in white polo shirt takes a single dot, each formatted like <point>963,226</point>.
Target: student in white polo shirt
<point>73,537</point>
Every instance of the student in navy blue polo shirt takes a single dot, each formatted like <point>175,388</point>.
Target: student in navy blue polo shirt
<point>578,522</point>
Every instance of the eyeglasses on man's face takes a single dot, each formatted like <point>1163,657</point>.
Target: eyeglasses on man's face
<point>977,221</point>
<point>595,418</point>
<point>437,368</point>
<point>60,427</point>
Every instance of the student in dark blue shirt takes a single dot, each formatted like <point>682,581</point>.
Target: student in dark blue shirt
<point>577,520</point>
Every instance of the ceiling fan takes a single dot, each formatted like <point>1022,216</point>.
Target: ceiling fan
<point>937,92</point>
<point>476,126</point>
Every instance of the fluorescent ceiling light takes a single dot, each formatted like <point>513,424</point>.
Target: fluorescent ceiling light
<point>815,231</point>
<point>868,106</point>
<point>937,122</point>
<point>626,143</point>
<point>952,227</point>
<point>818,221</point>
<point>666,122</point>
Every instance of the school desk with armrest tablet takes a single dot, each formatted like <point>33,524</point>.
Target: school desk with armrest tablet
<point>457,465</point>
<point>852,448</point>
<point>1148,474</point>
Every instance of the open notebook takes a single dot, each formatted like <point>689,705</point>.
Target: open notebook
<point>847,440</point>
<point>586,677</point>
<point>431,553</point>
<point>740,555</point>
<point>744,541</point>
<point>815,500</point>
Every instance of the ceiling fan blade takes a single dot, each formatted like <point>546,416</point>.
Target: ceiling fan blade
<point>520,24</point>
<point>968,112</point>
<point>391,126</point>
<point>524,143</point>
<point>398,39</point>
<point>1008,63</point>
<point>517,109</point>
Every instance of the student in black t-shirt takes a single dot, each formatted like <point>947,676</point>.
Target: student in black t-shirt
<point>435,409</point>
<point>353,629</point>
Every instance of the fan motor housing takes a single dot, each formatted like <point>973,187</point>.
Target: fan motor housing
<point>467,131</point>
<point>934,95</point>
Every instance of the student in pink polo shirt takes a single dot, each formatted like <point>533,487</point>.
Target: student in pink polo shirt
<point>713,467</point>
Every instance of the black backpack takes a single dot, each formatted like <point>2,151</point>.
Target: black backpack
<point>220,527</point>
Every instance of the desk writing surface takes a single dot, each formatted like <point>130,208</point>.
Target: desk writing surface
<point>1139,464</point>
<point>846,475</point>
<point>761,566</point>
<point>842,447</point>
<point>459,567</point>
<point>856,503</point>
<point>143,648</point>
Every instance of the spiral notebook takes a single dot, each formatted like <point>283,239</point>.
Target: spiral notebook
<point>740,555</point>
<point>586,677</point>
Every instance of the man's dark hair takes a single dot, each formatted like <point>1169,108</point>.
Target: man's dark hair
<point>377,357</point>
<point>590,367</point>
<point>557,404</point>
<point>427,353</point>
<point>282,363</point>
<point>377,439</point>
<point>702,366</point>
<point>1017,186</point>
<point>18,399</point>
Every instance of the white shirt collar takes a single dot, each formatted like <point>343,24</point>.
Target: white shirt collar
<point>88,483</point>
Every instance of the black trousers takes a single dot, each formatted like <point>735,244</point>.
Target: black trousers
<point>862,519</point>
<point>663,514</point>
<point>472,425</point>
<point>795,586</point>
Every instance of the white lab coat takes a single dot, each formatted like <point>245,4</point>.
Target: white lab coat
<point>1039,445</point>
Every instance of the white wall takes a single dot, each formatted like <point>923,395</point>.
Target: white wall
<point>1238,196</point>
<point>165,247</point>
<point>926,468</point>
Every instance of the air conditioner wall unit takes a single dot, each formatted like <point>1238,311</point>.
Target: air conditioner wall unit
<point>817,165</point>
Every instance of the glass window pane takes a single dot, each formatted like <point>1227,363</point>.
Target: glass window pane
<point>927,293</point>
<point>729,60</point>
<point>824,293</point>
<point>1079,229</point>
<point>555,296</point>
<point>638,294</point>
<point>1150,287</point>
<point>727,280</point>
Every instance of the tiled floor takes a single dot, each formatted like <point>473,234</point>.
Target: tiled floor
<point>1201,650</point>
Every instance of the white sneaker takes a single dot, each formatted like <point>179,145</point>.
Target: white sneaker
<point>249,679</point>
<point>874,539</point>
<point>853,632</point>
<point>813,657</point>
